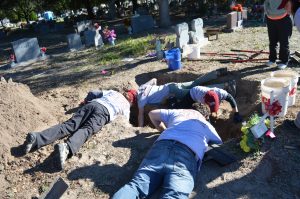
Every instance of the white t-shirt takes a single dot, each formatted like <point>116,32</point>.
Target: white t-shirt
<point>115,103</point>
<point>152,94</point>
<point>188,127</point>
<point>198,92</point>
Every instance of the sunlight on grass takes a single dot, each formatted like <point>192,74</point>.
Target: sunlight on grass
<point>130,47</point>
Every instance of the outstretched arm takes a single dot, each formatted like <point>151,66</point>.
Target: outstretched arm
<point>156,120</point>
<point>141,117</point>
<point>152,82</point>
<point>232,102</point>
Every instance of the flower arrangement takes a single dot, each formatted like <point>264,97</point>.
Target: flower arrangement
<point>43,51</point>
<point>249,142</point>
<point>12,58</point>
<point>237,8</point>
<point>110,35</point>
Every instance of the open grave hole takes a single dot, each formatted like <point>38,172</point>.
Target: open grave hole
<point>247,98</point>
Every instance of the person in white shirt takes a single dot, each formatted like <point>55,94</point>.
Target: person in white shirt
<point>99,109</point>
<point>175,158</point>
<point>152,94</point>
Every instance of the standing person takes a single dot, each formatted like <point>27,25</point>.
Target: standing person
<point>175,158</point>
<point>210,96</point>
<point>280,28</point>
<point>152,94</point>
<point>100,109</point>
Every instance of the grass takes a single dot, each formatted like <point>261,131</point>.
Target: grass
<point>129,47</point>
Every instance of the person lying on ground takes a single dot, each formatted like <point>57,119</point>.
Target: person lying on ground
<point>99,109</point>
<point>152,94</point>
<point>292,7</point>
<point>175,158</point>
<point>210,96</point>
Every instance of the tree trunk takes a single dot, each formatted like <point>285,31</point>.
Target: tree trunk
<point>134,6</point>
<point>112,9</point>
<point>89,9</point>
<point>164,15</point>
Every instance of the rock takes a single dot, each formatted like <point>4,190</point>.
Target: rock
<point>3,80</point>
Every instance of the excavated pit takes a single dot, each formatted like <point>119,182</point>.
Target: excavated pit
<point>247,98</point>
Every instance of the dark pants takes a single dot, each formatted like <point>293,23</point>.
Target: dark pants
<point>279,31</point>
<point>185,103</point>
<point>88,120</point>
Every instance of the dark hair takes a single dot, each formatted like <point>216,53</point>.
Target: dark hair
<point>202,108</point>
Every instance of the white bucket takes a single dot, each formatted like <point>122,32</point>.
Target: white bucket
<point>280,88</point>
<point>195,52</point>
<point>293,77</point>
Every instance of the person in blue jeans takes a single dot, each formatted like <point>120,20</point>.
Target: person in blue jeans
<point>175,158</point>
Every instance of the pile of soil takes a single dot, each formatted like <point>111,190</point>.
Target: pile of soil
<point>21,112</point>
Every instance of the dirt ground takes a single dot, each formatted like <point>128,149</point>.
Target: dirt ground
<point>48,92</point>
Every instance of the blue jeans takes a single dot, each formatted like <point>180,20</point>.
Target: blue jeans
<point>168,164</point>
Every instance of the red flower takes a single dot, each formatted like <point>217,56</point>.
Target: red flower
<point>12,57</point>
<point>43,49</point>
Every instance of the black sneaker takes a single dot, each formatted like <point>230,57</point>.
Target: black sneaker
<point>62,150</point>
<point>222,71</point>
<point>30,142</point>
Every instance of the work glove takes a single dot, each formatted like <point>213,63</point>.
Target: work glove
<point>237,118</point>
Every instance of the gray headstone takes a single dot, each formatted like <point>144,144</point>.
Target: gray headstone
<point>232,20</point>
<point>83,25</point>
<point>245,14</point>
<point>91,38</point>
<point>26,49</point>
<point>74,41</point>
<point>182,32</point>
<point>239,16</point>
<point>141,23</point>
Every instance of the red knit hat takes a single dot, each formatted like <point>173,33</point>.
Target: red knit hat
<point>283,2</point>
<point>211,98</point>
<point>132,94</point>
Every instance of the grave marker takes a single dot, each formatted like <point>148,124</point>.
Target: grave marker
<point>141,23</point>
<point>74,42</point>
<point>91,38</point>
<point>197,33</point>
<point>26,49</point>
<point>182,32</point>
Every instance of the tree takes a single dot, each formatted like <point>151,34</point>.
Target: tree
<point>164,15</point>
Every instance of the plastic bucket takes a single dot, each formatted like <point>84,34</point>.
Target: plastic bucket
<point>195,52</point>
<point>293,77</point>
<point>280,88</point>
<point>173,58</point>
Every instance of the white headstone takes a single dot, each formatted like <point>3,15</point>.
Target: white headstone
<point>197,33</point>
<point>182,32</point>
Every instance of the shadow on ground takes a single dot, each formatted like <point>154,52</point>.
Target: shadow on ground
<point>109,178</point>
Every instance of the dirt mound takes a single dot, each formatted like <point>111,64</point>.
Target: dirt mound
<point>21,112</point>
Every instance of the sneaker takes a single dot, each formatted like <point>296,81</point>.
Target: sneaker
<point>270,64</point>
<point>30,142</point>
<point>281,66</point>
<point>63,151</point>
<point>222,71</point>
<point>231,88</point>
